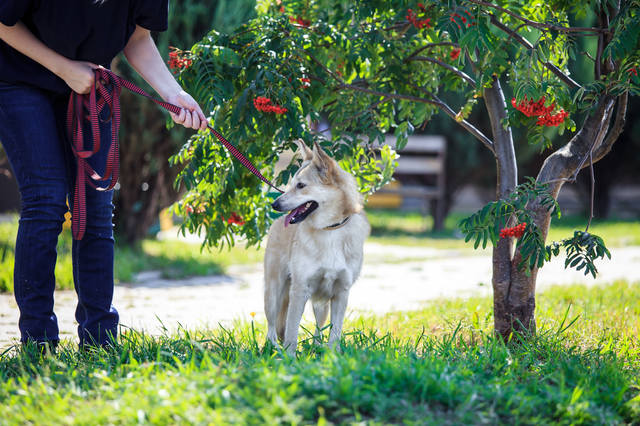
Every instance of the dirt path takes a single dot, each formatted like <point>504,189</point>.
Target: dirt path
<point>393,278</point>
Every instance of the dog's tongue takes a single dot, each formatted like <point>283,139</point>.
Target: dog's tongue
<point>291,214</point>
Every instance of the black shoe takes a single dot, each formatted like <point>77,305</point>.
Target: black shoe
<point>47,347</point>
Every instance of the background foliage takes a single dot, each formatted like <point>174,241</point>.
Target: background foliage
<point>368,69</point>
<point>146,180</point>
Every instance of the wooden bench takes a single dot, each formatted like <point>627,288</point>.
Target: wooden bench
<point>421,173</point>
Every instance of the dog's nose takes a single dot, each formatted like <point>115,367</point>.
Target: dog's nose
<point>276,205</point>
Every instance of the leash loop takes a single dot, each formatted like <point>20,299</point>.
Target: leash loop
<point>111,98</point>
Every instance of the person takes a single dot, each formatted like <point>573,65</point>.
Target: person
<point>47,50</point>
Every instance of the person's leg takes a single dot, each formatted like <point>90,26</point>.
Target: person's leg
<point>93,273</point>
<point>93,255</point>
<point>30,136</point>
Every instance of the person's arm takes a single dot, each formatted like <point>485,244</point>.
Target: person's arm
<point>78,75</point>
<point>143,55</point>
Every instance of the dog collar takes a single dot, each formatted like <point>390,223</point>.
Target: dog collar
<point>338,225</point>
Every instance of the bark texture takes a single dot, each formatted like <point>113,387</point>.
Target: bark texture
<point>509,307</point>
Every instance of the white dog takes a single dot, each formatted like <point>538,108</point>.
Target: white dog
<point>315,251</point>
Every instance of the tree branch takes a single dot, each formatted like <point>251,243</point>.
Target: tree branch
<point>466,125</point>
<point>523,41</point>
<point>562,165</point>
<point>504,287</point>
<point>324,67</point>
<point>454,70</point>
<point>474,65</point>
<point>343,85</point>
<point>540,25</point>
<point>598,64</point>
<point>401,96</point>
<point>428,46</point>
<point>502,139</point>
<point>433,101</point>
<point>614,133</point>
<point>463,123</point>
<point>370,108</point>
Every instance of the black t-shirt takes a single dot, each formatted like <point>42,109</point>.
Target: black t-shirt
<point>87,30</point>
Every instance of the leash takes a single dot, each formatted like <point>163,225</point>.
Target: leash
<point>85,173</point>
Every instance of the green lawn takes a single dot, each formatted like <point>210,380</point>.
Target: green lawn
<point>175,259</point>
<point>438,365</point>
<point>411,228</point>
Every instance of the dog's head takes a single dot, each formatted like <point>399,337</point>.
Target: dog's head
<point>320,192</point>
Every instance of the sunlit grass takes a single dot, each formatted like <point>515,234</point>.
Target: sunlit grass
<point>174,259</point>
<point>438,365</point>
<point>413,229</point>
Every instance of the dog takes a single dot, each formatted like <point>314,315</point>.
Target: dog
<point>315,251</point>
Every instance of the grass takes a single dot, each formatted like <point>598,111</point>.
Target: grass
<point>439,365</point>
<point>413,229</point>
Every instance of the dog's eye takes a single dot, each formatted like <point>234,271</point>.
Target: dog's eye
<point>300,185</point>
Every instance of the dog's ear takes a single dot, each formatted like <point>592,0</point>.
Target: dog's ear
<point>306,153</point>
<point>320,158</point>
<point>324,163</point>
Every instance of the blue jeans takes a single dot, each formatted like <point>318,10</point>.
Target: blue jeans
<point>32,131</point>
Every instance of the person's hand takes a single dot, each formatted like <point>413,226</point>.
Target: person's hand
<point>79,76</point>
<point>191,116</point>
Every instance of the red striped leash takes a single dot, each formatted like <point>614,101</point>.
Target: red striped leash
<point>85,173</point>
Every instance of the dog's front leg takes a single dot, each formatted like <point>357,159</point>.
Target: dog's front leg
<point>338,309</point>
<point>298,296</point>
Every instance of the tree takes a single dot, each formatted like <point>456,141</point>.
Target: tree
<point>146,180</point>
<point>378,66</point>
<point>619,166</point>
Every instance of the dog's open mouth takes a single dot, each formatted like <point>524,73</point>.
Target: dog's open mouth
<point>300,213</point>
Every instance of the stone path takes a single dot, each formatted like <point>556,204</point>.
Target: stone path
<point>393,278</point>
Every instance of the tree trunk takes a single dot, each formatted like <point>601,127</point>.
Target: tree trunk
<point>514,299</point>
<point>514,288</point>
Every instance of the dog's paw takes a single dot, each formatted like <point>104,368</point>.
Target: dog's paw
<point>270,347</point>
<point>290,349</point>
<point>336,347</point>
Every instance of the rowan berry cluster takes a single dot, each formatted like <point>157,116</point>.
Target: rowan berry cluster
<point>264,104</point>
<point>531,108</point>
<point>412,17</point>
<point>306,82</point>
<point>177,61</point>
<point>537,109</point>
<point>552,120</point>
<point>235,219</point>
<point>298,20</point>
<point>189,209</point>
<point>633,71</point>
<point>515,231</point>
<point>468,22</point>
<point>455,53</point>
